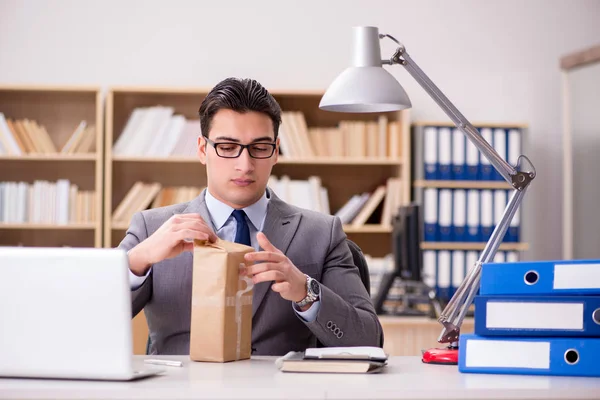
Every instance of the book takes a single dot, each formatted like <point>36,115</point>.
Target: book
<point>349,360</point>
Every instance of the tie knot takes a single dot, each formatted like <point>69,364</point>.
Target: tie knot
<point>239,216</point>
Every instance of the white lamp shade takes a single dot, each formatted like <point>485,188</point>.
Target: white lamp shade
<point>365,86</point>
<point>363,90</point>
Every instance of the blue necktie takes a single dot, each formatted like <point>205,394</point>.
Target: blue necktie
<point>242,232</point>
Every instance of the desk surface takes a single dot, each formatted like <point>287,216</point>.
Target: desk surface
<point>404,378</point>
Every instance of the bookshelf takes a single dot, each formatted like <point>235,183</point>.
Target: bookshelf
<point>342,175</point>
<point>58,161</point>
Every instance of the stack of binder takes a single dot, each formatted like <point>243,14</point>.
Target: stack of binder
<point>537,318</point>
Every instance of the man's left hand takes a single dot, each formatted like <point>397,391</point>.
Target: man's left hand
<point>273,265</point>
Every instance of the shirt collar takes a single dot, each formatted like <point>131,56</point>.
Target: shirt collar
<point>220,212</point>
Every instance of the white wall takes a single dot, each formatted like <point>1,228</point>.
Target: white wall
<point>496,60</point>
<point>584,102</point>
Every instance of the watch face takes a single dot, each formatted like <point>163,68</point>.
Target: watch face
<point>314,286</point>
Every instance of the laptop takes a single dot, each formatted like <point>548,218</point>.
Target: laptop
<point>66,313</point>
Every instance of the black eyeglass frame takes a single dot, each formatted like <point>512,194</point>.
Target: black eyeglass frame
<point>215,145</point>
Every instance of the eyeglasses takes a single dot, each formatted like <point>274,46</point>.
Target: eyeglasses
<point>234,150</point>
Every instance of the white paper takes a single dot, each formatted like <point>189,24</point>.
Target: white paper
<point>358,351</point>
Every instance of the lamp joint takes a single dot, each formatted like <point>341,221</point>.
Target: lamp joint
<point>397,56</point>
<point>521,180</point>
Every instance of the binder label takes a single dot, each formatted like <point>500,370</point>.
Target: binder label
<point>534,315</point>
<point>507,354</point>
<point>576,276</point>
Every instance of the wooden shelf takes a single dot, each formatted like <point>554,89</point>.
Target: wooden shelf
<point>286,161</point>
<point>51,157</point>
<point>342,161</point>
<point>475,124</point>
<point>462,184</point>
<point>408,335</point>
<point>90,225</point>
<point>59,109</point>
<point>121,226</point>
<point>142,159</point>
<point>471,246</point>
<point>368,229</point>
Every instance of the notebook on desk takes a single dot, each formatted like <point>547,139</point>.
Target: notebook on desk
<point>66,313</point>
<point>334,360</point>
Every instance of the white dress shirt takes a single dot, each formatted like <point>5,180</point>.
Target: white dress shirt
<point>225,227</point>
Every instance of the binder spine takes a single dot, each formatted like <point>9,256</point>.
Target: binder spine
<point>564,316</point>
<point>529,356</point>
<point>563,277</point>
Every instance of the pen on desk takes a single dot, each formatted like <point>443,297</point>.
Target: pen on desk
<point>168,363</point>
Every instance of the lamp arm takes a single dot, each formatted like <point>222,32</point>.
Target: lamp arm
<point>454,313</point>
<point>516,178</point>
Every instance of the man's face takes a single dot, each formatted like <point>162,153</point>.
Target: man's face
<point>238,182</point>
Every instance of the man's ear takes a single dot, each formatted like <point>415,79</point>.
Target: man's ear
<point>276,155</point>
<point>201,150</point>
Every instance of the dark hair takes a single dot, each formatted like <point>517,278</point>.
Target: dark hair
<point>240,95</point>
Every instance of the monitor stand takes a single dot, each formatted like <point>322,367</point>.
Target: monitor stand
<point>412,293</point>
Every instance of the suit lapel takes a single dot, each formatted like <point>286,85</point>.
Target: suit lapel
<point>198,206</point>
<point>280,227</point>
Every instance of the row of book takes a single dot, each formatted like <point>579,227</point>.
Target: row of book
<point>308,193</point>
<point>26,136</point>
<point>466,215</point>
<point>359,139</point>
<point>151,195</point>
<point>377,207</point>
<point>445,153</point>
<point>537,317</point>
<point>44,202</point>
<point>159,132</point>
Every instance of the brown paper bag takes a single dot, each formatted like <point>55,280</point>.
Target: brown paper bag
<point>221,328</point>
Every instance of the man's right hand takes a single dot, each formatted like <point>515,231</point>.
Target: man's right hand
<point>169,241</point>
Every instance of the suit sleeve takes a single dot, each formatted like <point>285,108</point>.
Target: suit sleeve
<point>346,316</point>
<point>136,233</point>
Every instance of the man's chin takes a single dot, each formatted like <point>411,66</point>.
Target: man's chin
<point>245,196</point>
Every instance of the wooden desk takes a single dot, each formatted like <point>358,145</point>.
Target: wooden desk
<point>403,378</point>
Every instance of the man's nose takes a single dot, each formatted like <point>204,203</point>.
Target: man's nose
<point>245,162</point>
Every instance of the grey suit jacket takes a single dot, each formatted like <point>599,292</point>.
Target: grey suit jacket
<point>314,242</point>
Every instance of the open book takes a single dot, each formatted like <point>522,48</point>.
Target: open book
<point>334,360</point>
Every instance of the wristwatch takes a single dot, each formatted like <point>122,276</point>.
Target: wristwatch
<point>313,290</point>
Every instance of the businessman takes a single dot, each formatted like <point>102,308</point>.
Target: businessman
<point>307,288</point>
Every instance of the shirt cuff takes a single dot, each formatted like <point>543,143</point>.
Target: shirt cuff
<point>309,315</point>
<point>136,281</point>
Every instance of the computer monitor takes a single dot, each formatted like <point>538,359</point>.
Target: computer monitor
<point>408,261</point>
<point>406,242</point>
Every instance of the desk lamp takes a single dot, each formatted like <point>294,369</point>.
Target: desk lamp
<point>367,87</point>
